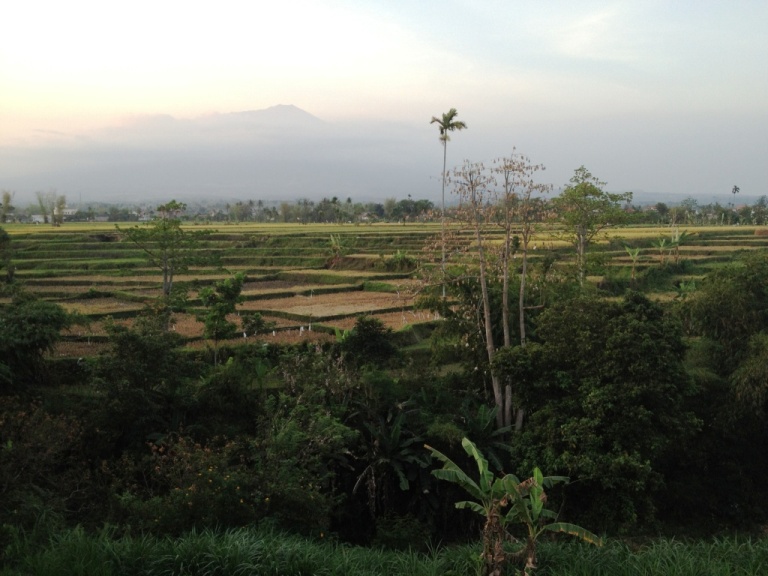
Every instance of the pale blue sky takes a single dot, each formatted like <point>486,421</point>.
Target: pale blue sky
<point>663,96</point>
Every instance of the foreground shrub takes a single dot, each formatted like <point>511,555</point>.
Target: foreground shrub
<point>189,485</point>
<point>43,475</point>
<point>284,472</point>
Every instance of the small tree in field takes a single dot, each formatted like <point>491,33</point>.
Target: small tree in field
<point>5,255</point>
<point>586,210</point>
<point>166,244</point>
<point>220,301</point>
<point>6,208</point>
<point>58,211</point>
<point>634,255</point>
<point>369,342</point>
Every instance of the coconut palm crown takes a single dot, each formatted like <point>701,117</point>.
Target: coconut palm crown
<point>448,124</point>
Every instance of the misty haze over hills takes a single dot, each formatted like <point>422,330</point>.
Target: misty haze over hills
<point>281,153</point>
<point>278,154</point>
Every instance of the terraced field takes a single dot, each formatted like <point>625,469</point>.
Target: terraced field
<point>93,270</point>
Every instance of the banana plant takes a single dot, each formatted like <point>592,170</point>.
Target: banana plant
<point>503,502</point>
<point>677,240</point>
<point>661,245</point>
<point>337,248</point>
<point>634,254</point>
<point>393,454</point>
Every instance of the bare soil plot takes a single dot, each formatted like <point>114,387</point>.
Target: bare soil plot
<point>322,306</point>
<point>69,349</point>
<point>95,306</point>
<point>394,320</point>
<point>295,336</point>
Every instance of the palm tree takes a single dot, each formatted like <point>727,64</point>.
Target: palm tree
<point>446,124</point>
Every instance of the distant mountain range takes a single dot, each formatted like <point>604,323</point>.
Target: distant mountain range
<point>280,153</point>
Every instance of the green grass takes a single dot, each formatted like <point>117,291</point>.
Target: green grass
<point>246,552</point>
<point>667,557</point>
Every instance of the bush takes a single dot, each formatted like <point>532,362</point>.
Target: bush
<point>400,533</point>
<point>369,342</point>
<point>606,394</point>
<point>44,477</point>
<point>400,262</point>
<point>189,485</point>
<point>28,329</point>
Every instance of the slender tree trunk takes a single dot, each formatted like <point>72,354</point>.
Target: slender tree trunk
<point>581,254</point>
<point>502,400</point>
<point>521,295</point>
<point>521,310</point>
<point>442,217</point>
<point>166,287</point>
<point>505,283</point>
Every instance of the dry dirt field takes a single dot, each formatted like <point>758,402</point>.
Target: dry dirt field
<point>322,306</point>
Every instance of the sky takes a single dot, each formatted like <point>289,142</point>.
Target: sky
<point>656,96</point>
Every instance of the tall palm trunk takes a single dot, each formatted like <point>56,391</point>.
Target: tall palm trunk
<point>447,123</point>
<point>442,217</point>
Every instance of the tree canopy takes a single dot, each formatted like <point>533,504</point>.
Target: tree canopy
<point>586,210</point>
<point>29,328</point>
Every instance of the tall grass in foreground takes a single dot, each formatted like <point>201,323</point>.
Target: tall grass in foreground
<point>246,552</point>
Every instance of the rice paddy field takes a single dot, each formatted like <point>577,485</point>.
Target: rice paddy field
<point>294,280</point>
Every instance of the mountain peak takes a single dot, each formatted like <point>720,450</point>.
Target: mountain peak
<point>277,113</point>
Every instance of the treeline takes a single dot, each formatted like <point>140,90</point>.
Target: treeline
<point>689,212</point>
<point>303,211</point>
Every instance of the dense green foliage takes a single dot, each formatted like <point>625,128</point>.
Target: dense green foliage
<point>606,392</point>
<point>656,411</point>
<point>29,328</point>
<point>221,301</point>
<point>369,342</point>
